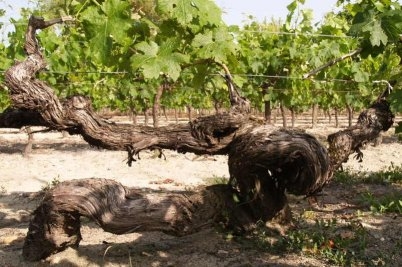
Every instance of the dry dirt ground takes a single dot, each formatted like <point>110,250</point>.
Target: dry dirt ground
<point>58,158</point>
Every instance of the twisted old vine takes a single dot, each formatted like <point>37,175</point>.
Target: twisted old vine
<point>264,163</point>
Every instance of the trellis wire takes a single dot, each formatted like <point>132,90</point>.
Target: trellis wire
<point>302,34</point>
<point>217,74</point>
<point>7,24</point>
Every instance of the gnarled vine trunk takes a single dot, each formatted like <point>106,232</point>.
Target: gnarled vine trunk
<point>264,162</point>
<point>119,210</point>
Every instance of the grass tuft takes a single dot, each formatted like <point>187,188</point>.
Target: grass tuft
<point>391,174</point>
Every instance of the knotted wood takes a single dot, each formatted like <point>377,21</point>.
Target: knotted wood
<point>119,210</point>
<point>371,122</point>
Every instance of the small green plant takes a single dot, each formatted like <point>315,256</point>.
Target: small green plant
<point>390,174</point>
<point>216,180</point>
<point>346,176</point>
<point>328,240</point>
<point>3,190</point>
<point>55,181</point>
<point>399,137</point>
<point>385,204</point>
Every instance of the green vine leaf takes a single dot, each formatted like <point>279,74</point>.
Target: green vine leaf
<point>216,44</point>
<point>107,25</point>
<point>155,60</point>
<point>186,11</point>
<point>377,34</point>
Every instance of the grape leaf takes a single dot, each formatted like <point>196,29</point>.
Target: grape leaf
<point>377,34</point>
<point>148,48</point>
<point>105,25</point>
<point>391,23</point>
<point>216,44</point>
<point>155,59</point>
<point>185,11</point>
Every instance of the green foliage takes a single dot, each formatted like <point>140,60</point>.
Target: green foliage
<point>193,13</point>
<point>277,56</point>
<point>3,190</point>
<point>390,203</point>
<point>216,44</point>
<point>396,105</point>
<point>55,181</point>
<point>111,37</point>
<point>4,100</point>
<point>378,23</point>
<point>214,180</point>
<point>106,25</point>
<point>329,240</point>
<point>120,51</point>
<point>390,174</point>
<point>155,59</point>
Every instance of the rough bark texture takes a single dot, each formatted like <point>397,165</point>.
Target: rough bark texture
<point>371,122</point>
<point>264,162</point>
<point>293,117</point>
<point>336,118</point>
<point>156,105</point>
<point>314,115</point>
<point>119,210</point>
<point>350,115</point>
<point>283,113</point>
<point>267,104</point>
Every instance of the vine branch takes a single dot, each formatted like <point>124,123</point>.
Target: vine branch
<point>331,63</point>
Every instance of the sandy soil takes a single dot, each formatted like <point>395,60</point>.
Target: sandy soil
<point>55,157</point>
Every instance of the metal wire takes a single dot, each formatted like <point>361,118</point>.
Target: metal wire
<point>213,74</point>
<point>302,34</point>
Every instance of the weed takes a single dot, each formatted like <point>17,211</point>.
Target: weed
<point>326,239</point>
<point>55,181</point>
<point>346,176</point>
<point>399,137</point>
<point>3,190</point>
<point>385,204</point>
<point>216,180</point>
<point>391,174</point>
